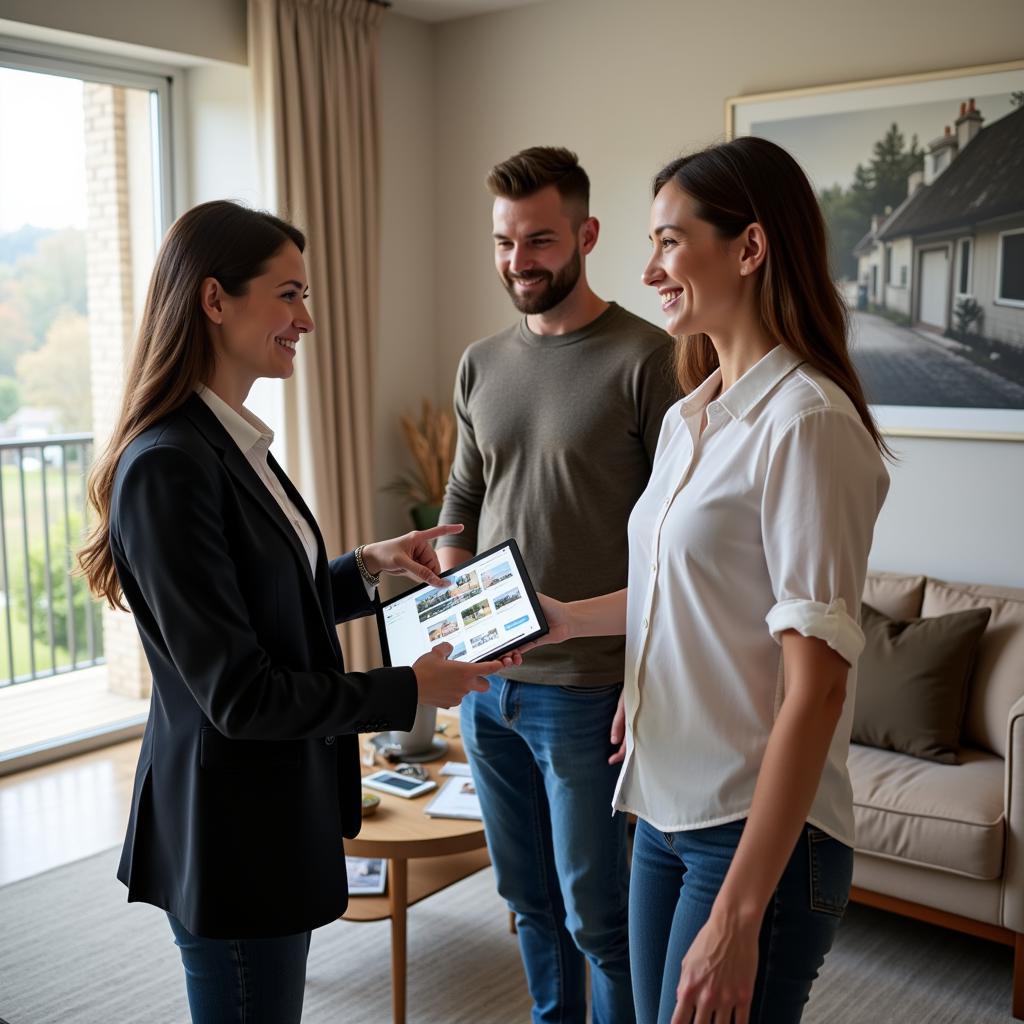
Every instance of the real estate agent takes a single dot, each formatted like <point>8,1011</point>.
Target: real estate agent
<point>248,775</point>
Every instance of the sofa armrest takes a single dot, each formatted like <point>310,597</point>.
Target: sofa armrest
<point>1013,872</point>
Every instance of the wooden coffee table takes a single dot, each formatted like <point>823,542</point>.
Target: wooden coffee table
<point>424,855</point>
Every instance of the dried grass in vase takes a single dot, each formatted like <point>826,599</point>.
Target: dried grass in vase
<point>431,441</point>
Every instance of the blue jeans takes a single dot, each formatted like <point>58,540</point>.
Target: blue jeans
<point>676,877</point>
<point>243,981</point>
<point>540,762</point>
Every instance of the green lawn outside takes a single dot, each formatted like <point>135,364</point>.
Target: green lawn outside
<point>12,545</point>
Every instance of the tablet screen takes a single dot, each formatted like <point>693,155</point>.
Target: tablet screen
<point>489,609</point>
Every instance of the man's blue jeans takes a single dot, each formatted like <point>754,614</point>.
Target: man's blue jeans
<point>243,981</point>
<point>676,877</point>
<point>540,762</point>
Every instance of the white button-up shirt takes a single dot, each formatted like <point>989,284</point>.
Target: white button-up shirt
<point>254,438</point>
<point>760,524</point>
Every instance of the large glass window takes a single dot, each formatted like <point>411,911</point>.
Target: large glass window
<point>84,198</point>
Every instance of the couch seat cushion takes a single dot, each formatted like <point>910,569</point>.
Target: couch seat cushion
<point>941,816</point>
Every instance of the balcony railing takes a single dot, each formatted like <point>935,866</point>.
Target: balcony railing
<point>50,622</point>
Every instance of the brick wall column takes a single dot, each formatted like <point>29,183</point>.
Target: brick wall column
<point>109,288</point>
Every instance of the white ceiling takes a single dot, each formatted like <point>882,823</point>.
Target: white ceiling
<point>445,10</point>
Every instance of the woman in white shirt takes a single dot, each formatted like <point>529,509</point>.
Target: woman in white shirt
<point>747,553</point>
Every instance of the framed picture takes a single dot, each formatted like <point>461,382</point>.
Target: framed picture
<point>367,876</point>
<point>921,181</point>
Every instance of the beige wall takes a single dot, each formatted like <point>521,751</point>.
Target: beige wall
<point>203,28</point>
<point>629,85</point>
<point>406,366</point>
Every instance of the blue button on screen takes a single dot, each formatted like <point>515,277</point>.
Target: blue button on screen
<point>509,626</point>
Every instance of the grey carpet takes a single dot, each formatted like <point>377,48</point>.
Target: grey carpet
<point>73,952</point>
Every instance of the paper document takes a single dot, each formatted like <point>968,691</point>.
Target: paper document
<point>457,799</point>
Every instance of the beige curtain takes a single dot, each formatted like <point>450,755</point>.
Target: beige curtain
<point>315,81</point>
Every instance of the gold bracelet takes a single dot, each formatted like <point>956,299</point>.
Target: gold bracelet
<point>371,580</point>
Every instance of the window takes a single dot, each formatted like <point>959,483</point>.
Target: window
<point>85,195</point>
<point>1010,271</point>
<point>903,276</point>
<point>964,281</point>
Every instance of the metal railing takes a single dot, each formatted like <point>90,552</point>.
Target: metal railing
<point>51,623</point>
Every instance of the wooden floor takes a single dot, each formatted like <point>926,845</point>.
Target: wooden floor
<point>64,811</point>
<point>43,711</point>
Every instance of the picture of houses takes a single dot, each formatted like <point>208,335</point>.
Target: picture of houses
<point>942,274</point>
<point>921,185</point>
<point>476,612</point>
<point>482,639</point>
<point>507,598</point>
<point>443,628</point>
<point>497,574</point>
<point>436,601</point>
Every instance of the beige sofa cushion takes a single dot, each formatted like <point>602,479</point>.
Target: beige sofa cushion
<point>912,681</point>
<point>944,816</point>
<point>894,594</point>
<point>998,679</point>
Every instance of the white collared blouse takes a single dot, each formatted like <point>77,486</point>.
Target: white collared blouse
<point>760,524</point>
<point>254,439</point>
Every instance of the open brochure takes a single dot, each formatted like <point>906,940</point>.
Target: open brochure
<point>457,799</point>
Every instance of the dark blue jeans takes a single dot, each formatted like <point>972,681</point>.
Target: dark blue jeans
<point>243,981</point>
<point>540,763</point>
<point>676,877</point>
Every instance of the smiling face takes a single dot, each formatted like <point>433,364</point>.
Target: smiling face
<point>538,249</point>
<point>698,274</point>
<point>255,334</point>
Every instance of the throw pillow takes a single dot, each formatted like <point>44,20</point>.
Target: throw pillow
<point>912,682</point>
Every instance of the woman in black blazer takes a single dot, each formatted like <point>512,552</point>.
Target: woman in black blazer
<point>248,775</point>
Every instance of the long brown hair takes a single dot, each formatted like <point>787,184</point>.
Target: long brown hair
<point>749,179</point>
<point>172,353</point>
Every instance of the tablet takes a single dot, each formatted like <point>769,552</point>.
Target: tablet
<point>490,609</point>
<point>400,785</point>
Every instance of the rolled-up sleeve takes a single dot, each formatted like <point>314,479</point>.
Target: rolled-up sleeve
<point>824,486</point>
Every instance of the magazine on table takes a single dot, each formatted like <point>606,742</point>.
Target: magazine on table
<point>367,876</point>
<point>457,799</point>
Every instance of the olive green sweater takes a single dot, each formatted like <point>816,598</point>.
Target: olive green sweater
<point>556,435</point>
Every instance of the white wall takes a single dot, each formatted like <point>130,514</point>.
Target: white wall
<point>220,139</point>
<point>631,84</point>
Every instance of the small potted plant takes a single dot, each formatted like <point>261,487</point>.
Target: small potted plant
<point>431,441</point>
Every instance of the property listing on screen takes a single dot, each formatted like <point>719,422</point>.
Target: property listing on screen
<point>484,610</point>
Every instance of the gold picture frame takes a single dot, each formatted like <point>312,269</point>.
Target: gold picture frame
<point>921,260</point>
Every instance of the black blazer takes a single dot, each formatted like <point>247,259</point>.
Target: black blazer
<point>249,771</point>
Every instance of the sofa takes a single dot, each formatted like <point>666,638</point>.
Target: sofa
<point>944,843</point>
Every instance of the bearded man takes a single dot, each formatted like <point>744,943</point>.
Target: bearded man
<point>558,420</point>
